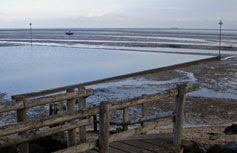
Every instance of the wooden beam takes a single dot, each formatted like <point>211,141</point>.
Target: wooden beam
<point>179,116</point>
<point>11,105</point>
<point>44,100</point>
<point>144,113</point>
<point>80,148</point>
<point>82,106</point>
<point>95,122</point>
<point>46,121</point>
<point>21,117</point>
<point>115,137</point>
<point>125,134</point>
<point>55,109</point>
<point>71,134</point>
<point>146,119</point>
<point>42,133</point>
<point>104,128</point>
<point>62,106</point>
<point>125,118</point>
<point>50,109</point>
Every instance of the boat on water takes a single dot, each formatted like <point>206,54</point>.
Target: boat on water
<point>69,33</point>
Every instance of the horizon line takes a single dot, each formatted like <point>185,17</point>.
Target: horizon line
<point>171,28</point>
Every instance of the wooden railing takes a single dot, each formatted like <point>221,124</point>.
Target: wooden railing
<point>21,132</point>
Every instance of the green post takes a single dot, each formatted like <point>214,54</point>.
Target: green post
<point>30,34</point>
<point>220,23</point>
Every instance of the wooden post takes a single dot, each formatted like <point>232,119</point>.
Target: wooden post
<point>50,109</point>
<point>125,118</point>
<point>144,113</point>
<point>71,134</point>
<point>104,128</point>
<point>82,129</point>
<point>22,116</point>
<point>61,106</point>
<point>179,116</point>
<point>55,109</point>
<point>95,123</point>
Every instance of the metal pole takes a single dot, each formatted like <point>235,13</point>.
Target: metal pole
<point>220,42</point>
<point>30,35</point>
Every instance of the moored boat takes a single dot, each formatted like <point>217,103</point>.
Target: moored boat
<point>69,33</point>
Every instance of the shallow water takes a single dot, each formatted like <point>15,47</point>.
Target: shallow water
<point>23,69</point>
<point>207,93</point>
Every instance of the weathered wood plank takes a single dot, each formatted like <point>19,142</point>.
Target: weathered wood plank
<point>21,117</point>
<point>104,128</point>
<point>82,106</point>
<point>55,109</point>
<point>71,134</point>
<point>146,119</point>
<point>42,133</point>
<point>115,137</point>
<point>161,143</point>
<point>82,129</point>
<point>114,150</point>
<point>144,112</point>
<point>165,136</point>
<point>91,151</point>
<point>125,134</point>
<point>125,118</point>
<point>148,146</point>
<point>95,122</point>
<point>50,109</point>
<point>11,105</point>
<point>179,116</point>
<point>172,67</point>
<point>111,150</point>
<point>128,148</point>
<point>46,121</point>
<point>58,97</point>
<point>62,106</point>
<point>44,100</point>
<point>79,148</point>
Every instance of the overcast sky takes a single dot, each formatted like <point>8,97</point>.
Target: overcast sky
<point>118,13</point>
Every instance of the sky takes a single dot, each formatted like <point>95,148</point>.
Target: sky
<point>118,13</point>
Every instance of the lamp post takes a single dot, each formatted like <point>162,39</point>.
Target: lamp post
<point>220,23</point>
<point>30,34</point>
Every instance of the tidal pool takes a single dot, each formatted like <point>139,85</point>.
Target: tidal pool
<point>25,69</point>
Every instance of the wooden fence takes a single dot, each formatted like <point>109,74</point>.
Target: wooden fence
<point>25,130</point>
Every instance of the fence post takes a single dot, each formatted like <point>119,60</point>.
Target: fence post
<point>104,128</point>
<point>22,116</point>
<point>55,109</point>
<point>125,118</point>
<point>82,106</point>
<point>95,123</point>
<point>50,109</point>
<point>144,114</point>
<point>71,134</point>
<point>179,116</point>
<point>61,106</point>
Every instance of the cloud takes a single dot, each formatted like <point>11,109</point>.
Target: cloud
<point>92,15</point>
<point>117,13</point>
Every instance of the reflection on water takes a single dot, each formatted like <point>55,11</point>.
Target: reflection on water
<point>23,69</point>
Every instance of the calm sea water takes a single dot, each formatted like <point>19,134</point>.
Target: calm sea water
<point>25,69</point>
